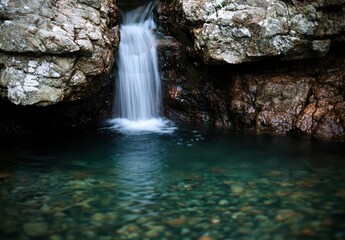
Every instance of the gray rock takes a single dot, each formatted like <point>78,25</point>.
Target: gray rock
<point>35,229</point>
<point>223,202</point>
<point>238,31</point>
<point>52,51</point>
<point>98,217</point>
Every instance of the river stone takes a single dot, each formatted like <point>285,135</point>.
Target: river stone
<point>55,237</point>
<point>223,202</point>
<point>154,231</point>
<point>237,189</point>
<point>8,225</point>
<point>98,217</point>
<point>35,229</point>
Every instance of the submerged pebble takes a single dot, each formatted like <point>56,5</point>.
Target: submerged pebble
<point>223,202</point>
<point>185,194</point>
<point>35,229</point>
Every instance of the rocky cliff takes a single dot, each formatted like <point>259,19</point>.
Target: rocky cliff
<point>263,65</point>
<point>53,51</point>
<point>237,31</point>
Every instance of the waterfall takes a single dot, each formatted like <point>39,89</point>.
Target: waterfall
<point>138,87</point>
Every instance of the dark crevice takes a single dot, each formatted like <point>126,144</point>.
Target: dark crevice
<point>46,54</point>
<point>3,18</point>
<point>332,9</point>
<point>83,114</point>
<point>127,5</point>
<point>2,67</point>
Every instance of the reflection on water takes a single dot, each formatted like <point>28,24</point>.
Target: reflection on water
<point>139,163</point>
<point>184,185</point>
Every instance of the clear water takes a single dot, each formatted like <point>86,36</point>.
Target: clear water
<point>184,185</point>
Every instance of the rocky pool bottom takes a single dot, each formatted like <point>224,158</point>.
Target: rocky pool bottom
<point>186,185</point>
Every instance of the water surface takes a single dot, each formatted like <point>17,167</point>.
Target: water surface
<point>184,185</point>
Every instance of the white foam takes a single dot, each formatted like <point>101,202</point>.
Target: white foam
<point>153,125</point>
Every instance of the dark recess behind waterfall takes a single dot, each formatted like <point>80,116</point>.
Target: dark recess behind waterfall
<point>131,4</point>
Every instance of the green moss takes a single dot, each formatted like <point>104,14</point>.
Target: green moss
<point>308,9</point>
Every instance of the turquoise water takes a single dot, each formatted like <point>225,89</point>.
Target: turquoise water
<point>185,185</point>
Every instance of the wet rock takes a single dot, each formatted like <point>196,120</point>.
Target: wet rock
<point>270,96</point>
<point>4,175</point>
<point>152,233</point>
<point>98,217</point>
<point>55,237</point>
<point>185,231</point>
<point>323,116</point>
<point>155,231</point>
<point>205,238</point>
<point>128,230</point>
<point>261,218</point>
<point>244,230</point>
<point>190,95</point>
<point>274,173</point>
<point>280,101</point>
<point>286,214</point>
<point>177,221</point>
<point>79,184</point>
<point>340,194</point>
<point>223,202</point>
<point>236,189</point>
<point>35,229</point>
<point>307,232</point>
<point>9,225</point>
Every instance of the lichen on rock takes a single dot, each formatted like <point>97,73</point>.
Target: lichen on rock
<point>237,31</point>
<point>53,51</point>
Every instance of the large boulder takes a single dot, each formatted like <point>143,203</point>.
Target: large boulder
<point>305,97</point>
<point>237,31</point>
<point>272,66</point>
<point>296,97</point>
<point>53,51</point>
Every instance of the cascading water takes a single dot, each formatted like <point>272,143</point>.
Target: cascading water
<point>138,88</point>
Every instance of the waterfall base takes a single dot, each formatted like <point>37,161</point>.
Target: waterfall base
<point>153,125</point>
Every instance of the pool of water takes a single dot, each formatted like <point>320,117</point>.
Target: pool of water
<point>189,184</point>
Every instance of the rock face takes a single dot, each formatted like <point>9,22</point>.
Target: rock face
<point>237,31</point>
<point>306,97</point>
<point>192,93</point>
<point>53,51</point>
<point>297,97</point>
<point>244,64</point>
